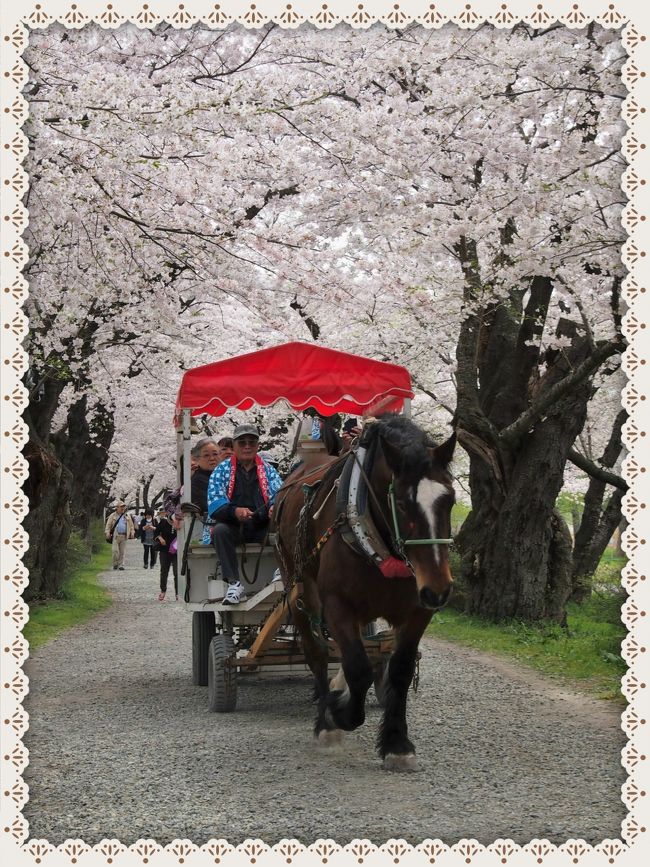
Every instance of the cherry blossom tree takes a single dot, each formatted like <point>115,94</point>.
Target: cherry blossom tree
<point>446,199</point>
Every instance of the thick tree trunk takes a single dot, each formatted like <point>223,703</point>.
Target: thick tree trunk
<point>48,491</point>
<point>516,549</point>
<point>83,448</point>
<point>518,416</point>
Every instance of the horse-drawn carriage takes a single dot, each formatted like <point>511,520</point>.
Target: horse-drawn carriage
<point>251,635</point>
<point>392,491</point>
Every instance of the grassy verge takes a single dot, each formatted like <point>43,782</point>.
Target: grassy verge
<point>81,596</point>
<point>585,655</point>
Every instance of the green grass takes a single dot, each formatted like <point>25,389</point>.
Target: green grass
<point>585,655</point>
<point>81,595</point>
<point>458,514</point>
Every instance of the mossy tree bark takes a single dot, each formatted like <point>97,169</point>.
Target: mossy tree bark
<point>519,412</point>
<point>48,487</point>
<point>83,447</point>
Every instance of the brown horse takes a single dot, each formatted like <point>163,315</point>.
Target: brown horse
<point>343,589</point>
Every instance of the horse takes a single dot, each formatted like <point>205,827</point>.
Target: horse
<point>343,589</point>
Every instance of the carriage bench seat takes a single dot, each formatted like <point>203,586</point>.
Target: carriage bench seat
<point>196,547</point>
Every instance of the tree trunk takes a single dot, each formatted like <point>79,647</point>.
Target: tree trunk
<point>587,557</point>
<point>146,484</point>
<point>515,547</point>
<point>518,415</point>
<point>618,549</point>
<point>600,518</point>
<point>83,448</point>
<point>47,488</point>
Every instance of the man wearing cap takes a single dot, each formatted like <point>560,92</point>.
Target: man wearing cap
<point>119,527</point>
<point>240,499</point>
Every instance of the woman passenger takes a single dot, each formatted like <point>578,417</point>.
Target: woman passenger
<point>206,453</point>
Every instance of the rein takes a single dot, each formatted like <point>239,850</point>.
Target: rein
<point>340,520</point>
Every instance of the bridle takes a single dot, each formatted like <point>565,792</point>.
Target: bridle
<point>397,540</point>
<point>400,543</point>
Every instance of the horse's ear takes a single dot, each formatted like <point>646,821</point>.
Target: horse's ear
<point>443,453</point>
<point>392,454</point>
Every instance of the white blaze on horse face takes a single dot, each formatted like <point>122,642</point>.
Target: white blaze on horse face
<point>427,495</point>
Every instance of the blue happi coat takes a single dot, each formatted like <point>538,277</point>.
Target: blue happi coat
<point>219,485</point>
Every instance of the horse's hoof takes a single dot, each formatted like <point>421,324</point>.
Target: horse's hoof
<point>338,683</point>
<point>329,738</point>
<point>406,762</point>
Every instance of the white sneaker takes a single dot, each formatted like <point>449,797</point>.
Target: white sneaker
<point>235,594</point>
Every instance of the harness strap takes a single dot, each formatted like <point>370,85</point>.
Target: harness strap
<point>363,536</point>
<point>327,534</point>
<point>313,472</point>
<point>316,514</point>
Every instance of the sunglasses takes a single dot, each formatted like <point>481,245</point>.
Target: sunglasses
<point>244,441</point>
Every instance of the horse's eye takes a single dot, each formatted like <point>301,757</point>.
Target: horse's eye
<point>400,505</point>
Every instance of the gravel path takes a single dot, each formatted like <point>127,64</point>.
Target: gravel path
<point>122,746</point>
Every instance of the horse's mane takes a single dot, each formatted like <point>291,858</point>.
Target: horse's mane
<point>410,440</point>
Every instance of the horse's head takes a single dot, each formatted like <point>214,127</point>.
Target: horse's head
<point>424,497</point>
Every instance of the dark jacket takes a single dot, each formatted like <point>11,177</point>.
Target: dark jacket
<point>200,479</point>
<point>246,493</point>
<point>141,532</point>
<point>167,532</point>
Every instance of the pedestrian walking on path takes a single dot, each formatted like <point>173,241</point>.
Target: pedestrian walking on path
<point>166,538</point>
<point>148,530</point>
<point>119,528</point>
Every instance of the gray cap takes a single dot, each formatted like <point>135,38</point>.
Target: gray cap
<point>243,430</point>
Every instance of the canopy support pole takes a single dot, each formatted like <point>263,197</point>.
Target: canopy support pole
<point>407,407</point>
<point>183,458</point>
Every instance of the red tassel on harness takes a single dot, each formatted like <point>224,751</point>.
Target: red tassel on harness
<point>393,567</point>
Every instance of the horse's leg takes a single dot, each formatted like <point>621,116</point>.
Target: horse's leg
<point>346,708</point>
<point>338,682</point>
<point>393,743</point>
<point>316,657</point>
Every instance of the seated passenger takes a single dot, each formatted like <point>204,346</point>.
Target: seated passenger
<point>317,428</point>
<point>351,430</point>
<point>240,501</point>
<point>206,453</point>
<point>225,448</point>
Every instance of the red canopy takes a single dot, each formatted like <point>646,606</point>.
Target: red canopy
<point>302,374</point>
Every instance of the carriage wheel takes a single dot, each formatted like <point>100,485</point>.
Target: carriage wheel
<point>203,628</point>
<point>380,673</point>
<point>222,678</point>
